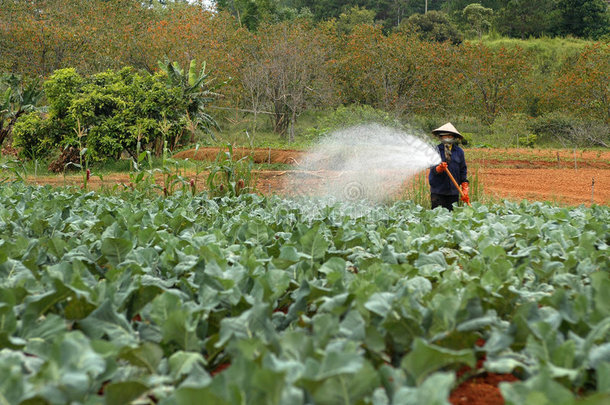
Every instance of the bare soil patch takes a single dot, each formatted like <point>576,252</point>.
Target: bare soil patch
<point>566,186</point>
<point>481,390</point>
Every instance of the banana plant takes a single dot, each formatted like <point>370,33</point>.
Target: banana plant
<point>197,92</point>
<point>17,97</point>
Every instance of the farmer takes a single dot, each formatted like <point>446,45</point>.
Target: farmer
<point>442,190</point>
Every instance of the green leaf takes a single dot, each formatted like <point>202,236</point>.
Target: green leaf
<point>195,396</point>
<point>147,355</point>
<point>599,355</point>
<point>347,389</point>
<point>115,249</point>
<point>540,389</point>
<point>380,303</point>
<point>13,383</point>
<point>72,365</point>
<point>426,358</point>
<point>601,284</point>
<point>123,392</point>
<point>314,244</point>
<point>182,363</point>
<point>433,391</point>
<point>603,377</point>
<point>105,321</point>
<point>432,263</point>
<point>178,322</point>
<point>336,363</point>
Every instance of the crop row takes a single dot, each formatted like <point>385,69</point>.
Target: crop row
<point>182,300</point>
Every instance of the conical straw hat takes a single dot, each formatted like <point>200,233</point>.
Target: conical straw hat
<point>448,128</point>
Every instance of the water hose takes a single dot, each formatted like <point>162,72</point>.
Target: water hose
<point>455,184</point>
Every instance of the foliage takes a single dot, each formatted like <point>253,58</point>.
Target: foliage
<point>584,18</point>
<point>492,80</point>
<point>285,68</point>
<point>510,130</point>
<point>286,72</point>
<point>433,26</point>
<point>527,18</point>
<point>479,17</point>
<point>568,130</point>
<point>32,136</point>
<point>196,93</point>
<point>396,72</point>
<point>183,299</point>
<point>349,116</point>
<point>353,17</point>
<point>118,110</point>
<point>17,97</point>
<point>230,177</point>
<point>583,85</point>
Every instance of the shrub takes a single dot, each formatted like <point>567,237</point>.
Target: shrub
<point>32,137</point>
<point>112,112</point>
<point>568,130</point>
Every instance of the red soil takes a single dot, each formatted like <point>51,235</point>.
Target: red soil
<point>481,390</point>
<point>515,174</point>
<point>566,186</point>
<point>563,176</point>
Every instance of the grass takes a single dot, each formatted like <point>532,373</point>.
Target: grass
<point>240,131</point>
<point>419,190</point>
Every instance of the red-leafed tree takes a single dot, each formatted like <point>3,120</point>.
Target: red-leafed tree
<point>492,80</point>
<point>584,85</point>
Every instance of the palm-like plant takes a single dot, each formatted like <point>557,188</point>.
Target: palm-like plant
<point>197,93</point>
<point>17,97</point>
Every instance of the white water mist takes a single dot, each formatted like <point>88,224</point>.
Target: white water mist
<point>366,162</point>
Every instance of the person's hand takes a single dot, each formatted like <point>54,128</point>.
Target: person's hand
<point>442,167</point>
<point>465,196</point>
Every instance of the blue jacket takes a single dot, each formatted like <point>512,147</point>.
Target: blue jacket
<point>440,183</point>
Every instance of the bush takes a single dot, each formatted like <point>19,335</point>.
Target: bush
<point>567,130</point>
<point>32,137</point>
<point>108,113</point>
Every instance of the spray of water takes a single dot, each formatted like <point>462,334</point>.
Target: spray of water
<point>363,163</point>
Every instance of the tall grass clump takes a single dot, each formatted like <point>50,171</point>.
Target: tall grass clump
<point>418,190</point>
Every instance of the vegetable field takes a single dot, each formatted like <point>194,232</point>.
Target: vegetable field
<point>128,298</point>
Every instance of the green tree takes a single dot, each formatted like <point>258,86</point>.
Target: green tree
<point>249,13</point>
<point>479,17</point>
<point>433,26</point>
<point>197,93</point>
<point>17,97</point>
<point>583,18</point>
<point>352,17</point>
<point>115,111</point>
<point>527,18</point>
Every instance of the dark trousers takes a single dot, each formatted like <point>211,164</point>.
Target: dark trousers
<point>443,200</point>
